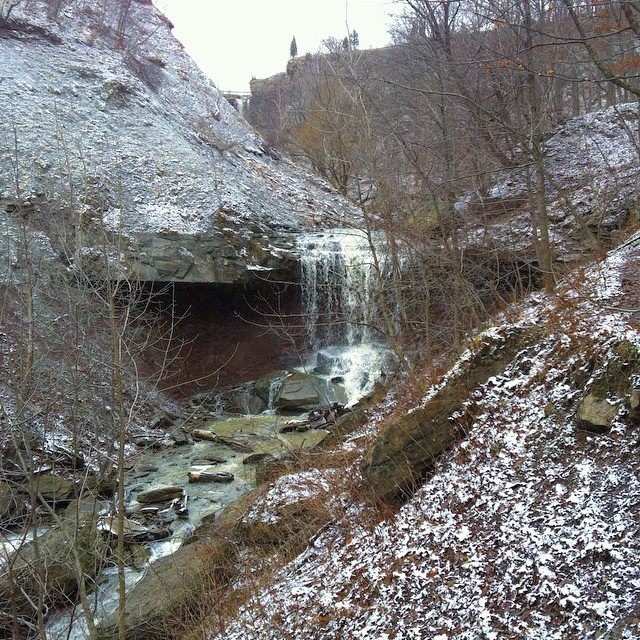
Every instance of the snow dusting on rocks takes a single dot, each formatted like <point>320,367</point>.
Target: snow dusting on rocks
<point>132,139</point>
<point>592,177</point>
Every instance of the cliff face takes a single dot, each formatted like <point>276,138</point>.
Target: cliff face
<point>123,147</point>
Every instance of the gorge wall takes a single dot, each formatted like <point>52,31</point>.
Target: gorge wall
<point>132,163</point>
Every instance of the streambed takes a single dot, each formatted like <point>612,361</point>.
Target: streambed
<point>260,434</point>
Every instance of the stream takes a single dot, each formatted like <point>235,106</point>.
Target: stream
<point>169,467</point>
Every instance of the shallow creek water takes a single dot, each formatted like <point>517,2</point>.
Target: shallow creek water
<point>339,280</point>
<point>170,466</point>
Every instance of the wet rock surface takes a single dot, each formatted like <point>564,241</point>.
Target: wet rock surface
<point>170,587</point>
<point>53,567</point>
<point>50,488</point>
<point>160,494</point>
<point>597,414</point>
<point>301,391</point>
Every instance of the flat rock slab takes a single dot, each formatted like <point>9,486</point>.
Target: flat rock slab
<point>207,461</point>
<point>210,476</point>
<point>160,494</point>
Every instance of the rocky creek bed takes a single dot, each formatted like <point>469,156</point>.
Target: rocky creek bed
<point>175,487</point>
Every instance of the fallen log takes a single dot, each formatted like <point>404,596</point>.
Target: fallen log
<point>204,434</point>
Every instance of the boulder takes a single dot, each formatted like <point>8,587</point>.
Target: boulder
<point>258,458</point>
<point>301,391</point>
<point>161,420</point>
<point>634,399</point>
<point>179,436</point>
<point>597,414</point>
<point>103,486</point>
<point>133,532</point>
<point>160,494</point>
<point>171,588</point>
<point>50,488</point>
<point>634,403</point>
<point>407,450</point>
<point>612,389</point>
<point>245,402</point>
<point>54,567</point>
<point>337,393</point>
<point>267,387</point>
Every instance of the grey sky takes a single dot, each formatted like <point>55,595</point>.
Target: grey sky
<point>234,40</point>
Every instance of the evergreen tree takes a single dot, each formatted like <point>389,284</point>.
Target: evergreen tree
<point>354,39</point>
<point>293,48</point>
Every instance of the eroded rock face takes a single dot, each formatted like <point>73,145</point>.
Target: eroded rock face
<point>133,154</point>
<point>50,488</point>
<point>294,508</point>
<point>408,449</point>
<point>612,394</point>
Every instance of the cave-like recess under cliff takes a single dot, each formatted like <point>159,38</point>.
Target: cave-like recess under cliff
<point>209,336</point>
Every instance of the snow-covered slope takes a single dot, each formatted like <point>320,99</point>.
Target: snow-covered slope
<point>592,176</point>
<point>528,528</point>
<point>134,139</point>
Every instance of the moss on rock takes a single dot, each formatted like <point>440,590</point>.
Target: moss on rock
<point>407,450</point>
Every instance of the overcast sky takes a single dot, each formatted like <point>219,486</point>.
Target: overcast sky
<point>235,40</point>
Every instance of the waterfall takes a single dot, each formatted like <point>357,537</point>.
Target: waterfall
<point>338,272</point>
<point>339,286</point>
<point>242,105</point>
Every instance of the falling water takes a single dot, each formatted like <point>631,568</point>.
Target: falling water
<point>338,271</point>
<point>242,105</point>
<point>340,282</point>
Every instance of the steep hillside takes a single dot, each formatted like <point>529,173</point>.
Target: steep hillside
<point>369,109</point>
<point>121,139</point>
<point>523,523</point>
<point>591,175</point>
